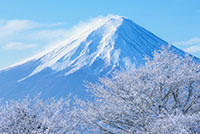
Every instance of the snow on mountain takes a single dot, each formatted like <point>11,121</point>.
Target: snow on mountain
<point>95,50</point>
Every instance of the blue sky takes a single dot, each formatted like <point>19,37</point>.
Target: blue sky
<point>30,26</point>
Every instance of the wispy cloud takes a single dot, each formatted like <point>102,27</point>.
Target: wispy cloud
<point>50,34</point>
<point>188,42</point>
<point>191,46</point>
<point>56,24</point>
<point>9,28</point>
<point>18,46</point>
<point>193,49</point>
<point>15,34</point>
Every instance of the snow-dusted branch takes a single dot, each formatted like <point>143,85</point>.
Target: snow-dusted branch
<point>131,101</point>
<point>161,97</point>
<point>36,116</point>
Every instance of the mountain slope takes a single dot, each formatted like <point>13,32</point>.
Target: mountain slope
<point>100,47</point>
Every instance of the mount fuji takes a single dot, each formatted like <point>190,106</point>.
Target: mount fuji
<point>99,48</point>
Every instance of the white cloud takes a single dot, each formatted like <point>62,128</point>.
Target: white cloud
<point>15,34</point>
<point>191,46</point>
<point>29,37</point>
<point>19,25</point>
<point>26,38</point>
<point>188,42</point>
<point>56,24</point>
<point>193,49</point>
<point>13,28</point>
<point>9,28</point>
<point>18,46</point>
<point>50,34</point>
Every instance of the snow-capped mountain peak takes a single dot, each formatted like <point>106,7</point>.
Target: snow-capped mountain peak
<point>101,39</point>
<point>93,50</point>
<point>95,41</point>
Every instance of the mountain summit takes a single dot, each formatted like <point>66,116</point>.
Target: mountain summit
<point>96,49</point>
